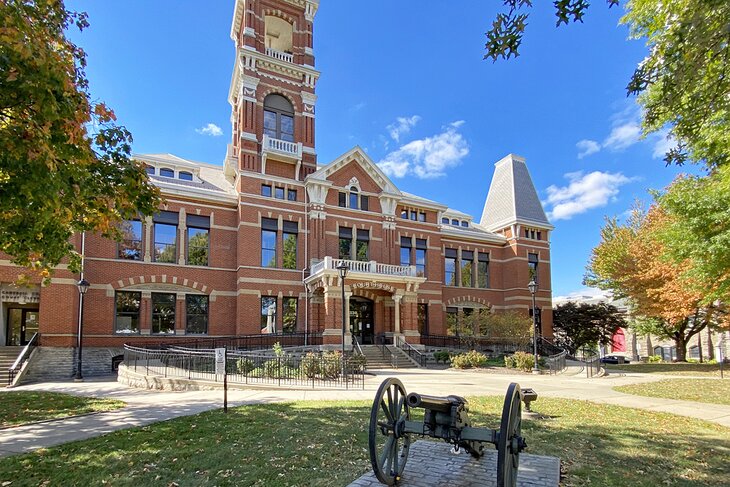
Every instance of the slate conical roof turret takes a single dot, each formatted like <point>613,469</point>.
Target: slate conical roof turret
<point>512,197</point>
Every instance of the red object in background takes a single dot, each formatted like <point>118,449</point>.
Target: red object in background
<point>618,341</point>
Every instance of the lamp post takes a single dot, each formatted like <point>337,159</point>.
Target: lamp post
<point>83,286</point>
<point>343,268</point>
<point>532,286</point>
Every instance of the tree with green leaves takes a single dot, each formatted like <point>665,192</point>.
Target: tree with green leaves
<point>65,163</point>
<point>632,261</point>
<point>579,325</point>
<point>698,229</point>
<point>683,84</point>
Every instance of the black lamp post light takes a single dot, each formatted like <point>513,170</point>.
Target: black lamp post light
<point>83,286</point>
<point>532,286</point>
<point>343,268</point>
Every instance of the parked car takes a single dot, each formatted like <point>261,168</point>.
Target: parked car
<point>615,359</point>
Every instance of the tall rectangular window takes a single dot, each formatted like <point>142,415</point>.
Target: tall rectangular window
<point>532,260</point>
<point>268,314</point>
<point>364,204</point>
<point>452,321</point>
<point>266,190</point>
<point>483,270</point>
<point>289,315</point>
<point>423,319</point>
<point>127,304</point>
<point>421,245</point>
<point>131,245</point>
<point>342,200</point>
<point>450,267</point>
<point>467,268</point>
<point>363,241</point>
<point>289,245</point>
<point>405,251</point>
<point>165,231</point>
<point>345,245</point>
<point>269,229</point>
<point>196,314</point>
<point>291,194</point>
<point>163,313</point>
<point>198,239</point>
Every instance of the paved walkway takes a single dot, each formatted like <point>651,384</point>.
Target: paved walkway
<point>145,407</point>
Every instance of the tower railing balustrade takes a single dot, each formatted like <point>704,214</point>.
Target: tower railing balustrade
<point>280,55</point>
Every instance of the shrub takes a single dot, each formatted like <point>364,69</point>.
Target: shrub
<point>469,360</point>
<point>520,360</point>
<point>654,359</point>
<point>357,362</point>
<point>310,365</point>
<point>330,365</point>
<point>442,356</point>
<point>244,365</point>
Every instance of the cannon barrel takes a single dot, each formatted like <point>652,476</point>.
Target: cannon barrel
<point>434,403</point>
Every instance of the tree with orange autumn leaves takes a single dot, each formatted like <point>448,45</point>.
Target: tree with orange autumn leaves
<point>632,261</point>
<point>65,164</point>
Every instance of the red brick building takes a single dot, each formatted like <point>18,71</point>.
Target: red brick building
<point>252,246</point>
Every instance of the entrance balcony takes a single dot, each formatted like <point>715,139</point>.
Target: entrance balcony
<point>365,270</point>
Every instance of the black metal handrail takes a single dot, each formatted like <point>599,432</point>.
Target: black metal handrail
<point>238,342</point>
<point>312,369</point>
<point>24,354</point>
<point>381,341</point>
<point>412,352</point>
<point>556,362</point>
<point>476,342</point>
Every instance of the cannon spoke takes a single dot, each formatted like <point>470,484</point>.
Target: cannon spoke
<point>510,443</point>
<point>388,448</point>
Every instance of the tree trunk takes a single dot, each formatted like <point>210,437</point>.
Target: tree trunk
<point>634,347</point>
<point>699,346</point>
<point>710,345</point>
<point>680,341</point>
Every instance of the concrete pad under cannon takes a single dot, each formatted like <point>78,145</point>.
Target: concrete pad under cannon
<point>432,463</point>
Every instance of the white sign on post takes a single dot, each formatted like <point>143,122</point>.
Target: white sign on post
<point>220,361</point>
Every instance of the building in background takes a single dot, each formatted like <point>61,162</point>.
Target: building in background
<point>252,246</point>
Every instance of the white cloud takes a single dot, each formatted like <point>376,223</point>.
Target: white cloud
<point>663,143</point>
<point>623,135</point>
<point>211,129</point>
<point>429,157</point>
<point>357,107</point>
<point>402,126</point>
<point>584,192</point>
<point>587,147</point>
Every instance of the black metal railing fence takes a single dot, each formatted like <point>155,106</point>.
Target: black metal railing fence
<point>312,369</point>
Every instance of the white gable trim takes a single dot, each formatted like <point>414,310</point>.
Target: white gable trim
<point>356,154</point>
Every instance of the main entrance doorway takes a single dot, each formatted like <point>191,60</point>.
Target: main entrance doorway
<point>362,325</point>
<point>22,324</point>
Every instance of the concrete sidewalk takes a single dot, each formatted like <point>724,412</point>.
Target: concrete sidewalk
<point>145,407</point>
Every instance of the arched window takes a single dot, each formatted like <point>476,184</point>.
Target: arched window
<point>168,173</point>
<point>185,176</point>
<point>278,118</point>
<point>149,169</point>
<point>354,198</point>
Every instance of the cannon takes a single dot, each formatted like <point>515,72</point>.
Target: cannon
<point>446,418</point>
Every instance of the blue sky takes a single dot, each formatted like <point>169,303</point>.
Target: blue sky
<point>406,81</point>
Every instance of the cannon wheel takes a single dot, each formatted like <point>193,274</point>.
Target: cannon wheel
<point>510,441</point>
<point>387,443</point>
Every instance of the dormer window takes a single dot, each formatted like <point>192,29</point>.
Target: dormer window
<point>149,169</point>
<point>444,221</point>
<point>464,223</point>
<point>455,222</point>
<point>185,176</point>
<point>167,173</point>
<point>278,118</point>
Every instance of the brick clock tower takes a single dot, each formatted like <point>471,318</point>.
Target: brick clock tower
<point>272,90</point>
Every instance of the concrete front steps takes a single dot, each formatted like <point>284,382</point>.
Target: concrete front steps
<point>8,355</point>
<point>394,358</point>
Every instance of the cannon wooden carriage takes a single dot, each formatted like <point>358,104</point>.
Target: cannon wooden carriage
<point>446,418</point>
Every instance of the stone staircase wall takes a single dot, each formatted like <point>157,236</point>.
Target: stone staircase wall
<point>59,363</point>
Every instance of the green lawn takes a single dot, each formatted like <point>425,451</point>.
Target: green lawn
<point>709,370</point>
<point>325,444</point>
<point>22,407</point>
<point>700,390</point>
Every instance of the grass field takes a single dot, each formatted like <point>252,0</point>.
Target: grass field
<point>325,444</point>
<point>709,370</point>
<point>701,390</point>
<point>22,407</point>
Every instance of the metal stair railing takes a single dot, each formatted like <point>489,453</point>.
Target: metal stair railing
<point>24,354</point>
<point>406,347</point>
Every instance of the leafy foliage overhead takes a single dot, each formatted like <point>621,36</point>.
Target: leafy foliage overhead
<point>682,84</point>
<point>65,164</point>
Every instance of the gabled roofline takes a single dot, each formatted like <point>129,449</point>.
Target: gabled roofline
<point>360,156</point>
